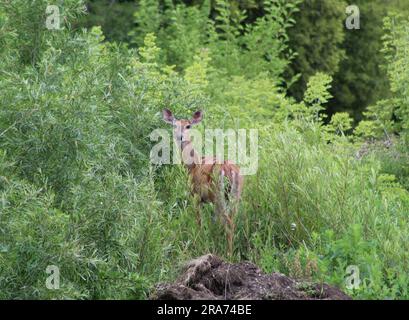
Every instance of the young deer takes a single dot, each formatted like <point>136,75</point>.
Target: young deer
<point>211,181</point>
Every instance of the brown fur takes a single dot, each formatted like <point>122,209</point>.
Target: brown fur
<point>202,178</point>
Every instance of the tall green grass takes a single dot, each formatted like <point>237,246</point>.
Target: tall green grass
<point>77,189</point>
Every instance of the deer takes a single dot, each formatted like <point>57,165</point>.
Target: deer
<point>211,180</point>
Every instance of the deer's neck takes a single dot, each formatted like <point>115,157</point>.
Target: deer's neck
<point>190,157</point>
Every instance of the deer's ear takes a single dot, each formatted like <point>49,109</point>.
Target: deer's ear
<point>168,116</point>
<point>197,117</point>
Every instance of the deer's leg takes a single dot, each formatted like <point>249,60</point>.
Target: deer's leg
<point>233,207</point>
<point>228,225</point>
<point>223,211</point>
<point>229,228</point>
<point>198,206</point>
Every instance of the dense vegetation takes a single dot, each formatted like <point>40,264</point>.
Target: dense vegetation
<point>319,41</point>
<point>78,191</point>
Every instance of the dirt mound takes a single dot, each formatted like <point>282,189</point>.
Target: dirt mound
<point>208,277</point>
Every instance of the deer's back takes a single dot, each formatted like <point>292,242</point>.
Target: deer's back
<point>204,178</point>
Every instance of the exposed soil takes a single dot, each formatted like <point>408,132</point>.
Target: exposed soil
<point>208,277</point>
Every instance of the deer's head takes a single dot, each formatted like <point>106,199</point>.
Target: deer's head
<point>181,127</point>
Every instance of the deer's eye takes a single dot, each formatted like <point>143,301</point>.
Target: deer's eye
<point>188,126</point>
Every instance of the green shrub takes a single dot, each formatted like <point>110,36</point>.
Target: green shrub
<point>78,191</point>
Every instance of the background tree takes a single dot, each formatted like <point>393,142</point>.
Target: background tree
<point>317,39</point>
<point>361,79</point>
<point>114,16</point>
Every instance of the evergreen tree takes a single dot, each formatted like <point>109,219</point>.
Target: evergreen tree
<point>362,78</point>
<point>317,39</point>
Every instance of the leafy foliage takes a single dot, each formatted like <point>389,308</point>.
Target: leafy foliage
<point>77,189</point>
<point>362,81</point>
<point>317,39</point>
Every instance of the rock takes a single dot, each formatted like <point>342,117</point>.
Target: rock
<point>208,277</point>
